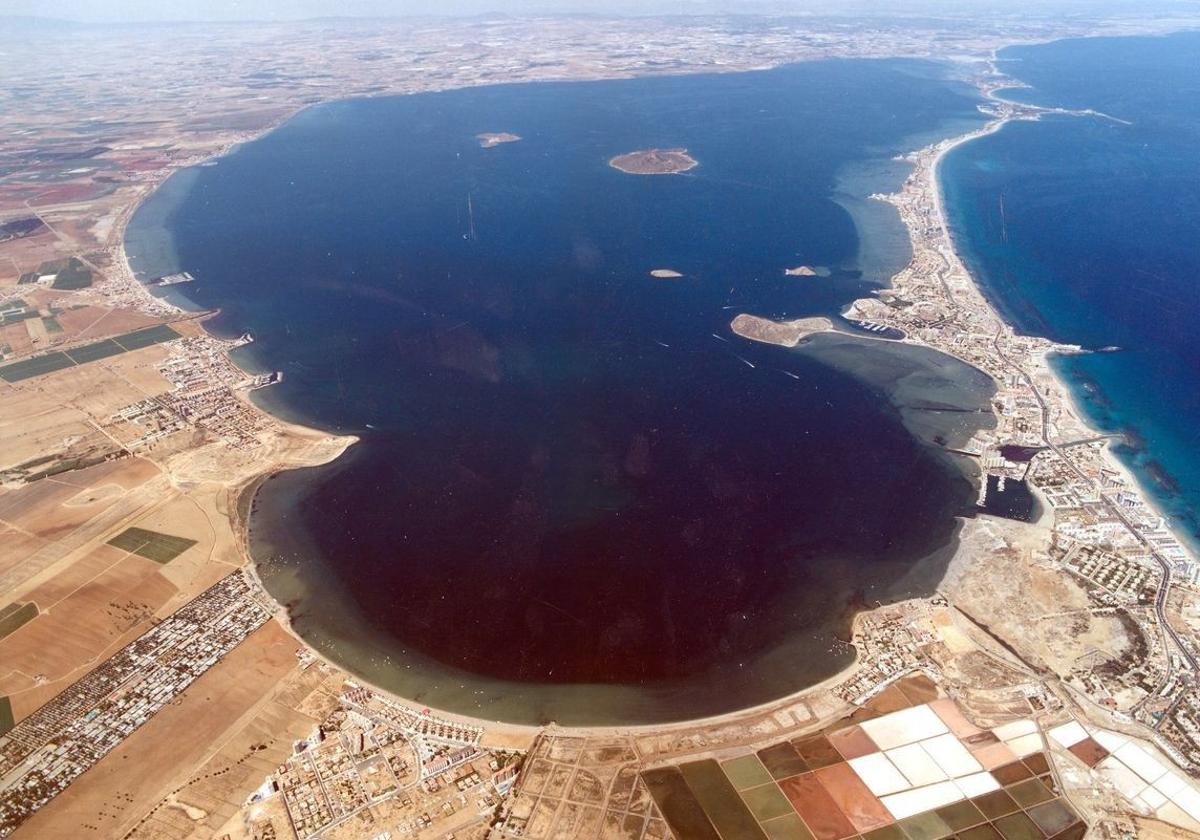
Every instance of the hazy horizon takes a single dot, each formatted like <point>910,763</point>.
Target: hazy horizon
<point>146,11</point>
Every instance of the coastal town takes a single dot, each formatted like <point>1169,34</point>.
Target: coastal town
<point>203,383</point>
<point>1102,529</point>
<point>65,737</point>
<point>373,762</point>
<point>1048,687</point>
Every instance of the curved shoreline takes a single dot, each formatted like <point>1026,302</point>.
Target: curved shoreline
<point>654,162</point>
<point>1076,400</point>
<point>246,492</point>
<point>1073,399</point>
<point>248,489</point>
<point>1064,391</point>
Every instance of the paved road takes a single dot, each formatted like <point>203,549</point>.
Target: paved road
<point>1160,599</point>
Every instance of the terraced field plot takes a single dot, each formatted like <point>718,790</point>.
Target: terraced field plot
<point>161,548</point>
<point>908,769</point>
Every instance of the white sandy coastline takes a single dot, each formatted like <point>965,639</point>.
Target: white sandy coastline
<point>1072,399</point>
<point>788,700</point>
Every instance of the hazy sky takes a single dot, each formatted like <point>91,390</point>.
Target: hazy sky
<point>154,10</point>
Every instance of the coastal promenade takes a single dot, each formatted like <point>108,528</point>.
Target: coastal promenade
<point>1092,498</point>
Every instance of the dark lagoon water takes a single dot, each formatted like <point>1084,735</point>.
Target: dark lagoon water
<point>1097,244</point>
<point>578,496</point>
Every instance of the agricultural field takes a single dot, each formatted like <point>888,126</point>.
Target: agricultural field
<point>67,274</point>
<point>14,615</point>
<point>161,548</point>
<point>58,360</point>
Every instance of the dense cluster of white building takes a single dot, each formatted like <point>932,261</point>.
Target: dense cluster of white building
<point>62,739</point>
<point>373,755</point>
<point>889,643</point>
<point>1103,529</point>
<point>203,385</point>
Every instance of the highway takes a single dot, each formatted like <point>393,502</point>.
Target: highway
<point>1160,598</point>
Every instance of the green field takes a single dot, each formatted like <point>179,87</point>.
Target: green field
<point>14,615</point>
<point>71,274</point>
<point>39,365</point>
<point>161,548</point>
<point>6,715</point>
<point>18,317</point>
<point>146,336</point>
<point>36,366</point>
<point>65,465</point>
<point>94,351</point>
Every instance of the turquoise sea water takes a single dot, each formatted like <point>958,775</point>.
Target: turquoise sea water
<point>578,496</point>
<point>1085,229</point>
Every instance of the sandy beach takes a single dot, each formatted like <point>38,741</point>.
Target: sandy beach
<point>305,454</point>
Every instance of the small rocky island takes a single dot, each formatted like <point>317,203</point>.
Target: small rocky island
<point>489,140</point>
<point>783,333</point>
<point>654,162</point>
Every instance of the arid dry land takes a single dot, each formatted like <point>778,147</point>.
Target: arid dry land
<point>655,162</point>
<point>149,688</point>
<point>783,333</point>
